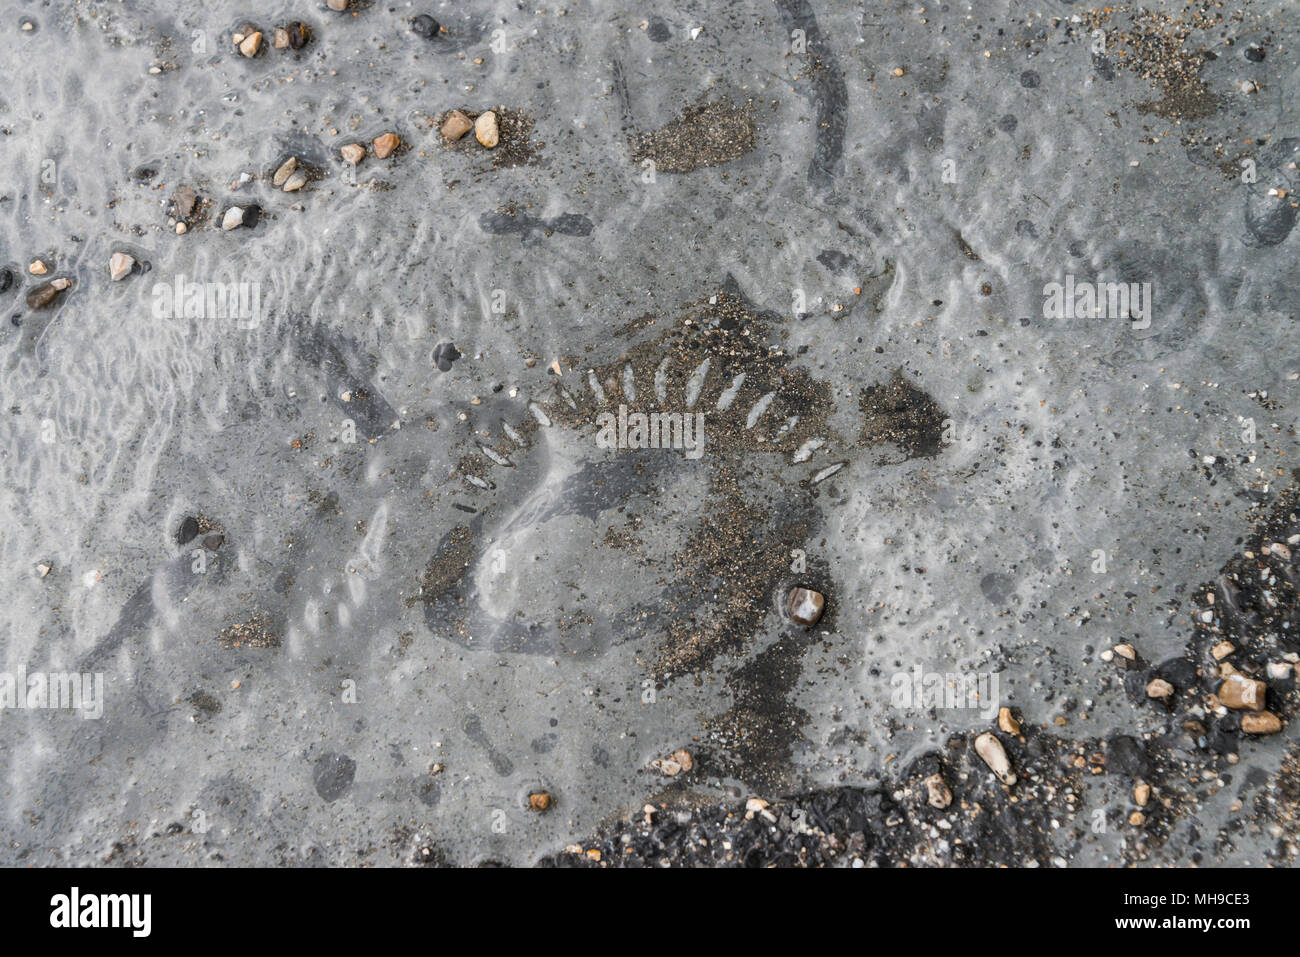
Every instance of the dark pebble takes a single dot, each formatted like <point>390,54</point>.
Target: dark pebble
<point>6,279</point>
<point>333,775</point>
<point>1225,736</point>
<point>1254,54</point>
<point>189,528</point>
<point>1124,755</point>
<point>425,26</point>
<point>1030,79</point>
<point>252,215</point>
<point>299,35</point>
<point>444,354</point>
<point>42,296</point>
<point>213,542</point>
<point>658,31</point>
<point>1179,672</point>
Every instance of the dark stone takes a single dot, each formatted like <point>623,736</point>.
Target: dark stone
<point>252,215</point>
<point>6,279</point>
<point>333,775</point>
<point>188,530</point>
<point>658,31</point>
<point>1179,672</point>
<point>1030,79</point>
<point>1225,736</point>
<point>1254,54</point>
<point>444,354</point>
<point>424,26</point>
<point>213,542</point>
<point>42,296</point>
<point>1126,755</point>
<point>299,35</point>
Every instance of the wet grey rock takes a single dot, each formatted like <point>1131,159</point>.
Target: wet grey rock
<point>424,26</point>
<point>183,203</point>
<point>332,775</point>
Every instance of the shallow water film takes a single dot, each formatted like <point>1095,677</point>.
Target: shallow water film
<point>741,432</point>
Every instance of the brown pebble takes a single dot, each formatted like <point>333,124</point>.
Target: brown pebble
<point>281,40</point>
<point>805,606</point>
<point>385,144</point>
<point>1222,650</point>
<point>683,757</point>
<point>1007,721</point>
<point>456,125</point>
<point>1242,693</point>
<point>285,171</point>
<point>1263,722</point>
<point>1159,688</point>
<point>183,202</point>
<point>251,44</point>
<point>1141,793</point>
<point>44,294</point>
<point>353,153</point>
<point>679,762</point>
<point>539,801</point>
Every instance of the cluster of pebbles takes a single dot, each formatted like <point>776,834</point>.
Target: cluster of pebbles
<point>487,128</point>
<point>187,209</point>
<point>384,145</point>
<point>250,41</point>
<point>44,294</point>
